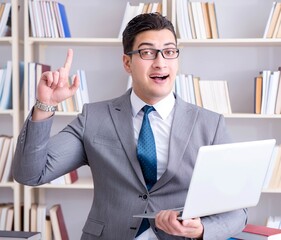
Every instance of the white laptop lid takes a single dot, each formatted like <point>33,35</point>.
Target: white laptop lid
<point>226,177</point>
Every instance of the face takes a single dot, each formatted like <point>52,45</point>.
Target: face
<point>154,79</point>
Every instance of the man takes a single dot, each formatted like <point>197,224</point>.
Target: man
<point>106,136</point>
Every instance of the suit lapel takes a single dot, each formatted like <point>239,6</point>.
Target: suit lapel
<point>182,126</point>
<point>121,113</point>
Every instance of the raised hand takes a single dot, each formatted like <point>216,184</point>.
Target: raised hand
<point>53,87</point>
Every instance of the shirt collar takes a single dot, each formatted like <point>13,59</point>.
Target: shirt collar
<point>163,107</point>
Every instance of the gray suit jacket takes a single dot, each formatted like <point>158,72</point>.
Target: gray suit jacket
<point>102,137</point>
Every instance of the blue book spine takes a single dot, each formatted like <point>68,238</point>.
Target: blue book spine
<point>64,21</point>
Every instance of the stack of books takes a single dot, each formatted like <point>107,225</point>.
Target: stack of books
<point>133,10</point>
<point>196,20</point>
<point>48,19</point>
<point>49,222</point>
<point>6,217</point>
<point>268,92</point>
<point>210,94</point>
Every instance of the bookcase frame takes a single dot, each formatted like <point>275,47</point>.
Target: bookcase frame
<point>12,43</point>
<point>34,49</point>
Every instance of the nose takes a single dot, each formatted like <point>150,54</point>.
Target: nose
<point>159,61</point>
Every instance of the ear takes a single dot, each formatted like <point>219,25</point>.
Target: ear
<point>127,63</point>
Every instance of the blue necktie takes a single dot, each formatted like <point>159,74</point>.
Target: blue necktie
<point>146,153</point>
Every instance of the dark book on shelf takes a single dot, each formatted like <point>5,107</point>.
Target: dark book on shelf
<point>17,235</point>
<point>58,223</point>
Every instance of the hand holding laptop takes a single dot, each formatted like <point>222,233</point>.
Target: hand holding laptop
<point>167,220</point>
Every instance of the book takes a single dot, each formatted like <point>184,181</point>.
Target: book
<point>273,183</point>
<point>258,94</point>
<point>64,20</point>
<point>7,172</point>
<point>6,97</point>
<point>213,20</point>
<point>4,154</point>
<point>274,222</point>
<point>278,97</point>
<point>258,232</point>
<point>273,20</point>
<point>206,19</point>
<point>71,177</point>
<point>18,235</point>
<point>271,167</point>
<point>4,19</point>
<point>58,223</point>
<point>272,92</point>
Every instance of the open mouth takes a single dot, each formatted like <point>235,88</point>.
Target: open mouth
<point>159,77</point>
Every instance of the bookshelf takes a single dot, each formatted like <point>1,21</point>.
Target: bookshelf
<point>237,56</point>
<point>10,118</point>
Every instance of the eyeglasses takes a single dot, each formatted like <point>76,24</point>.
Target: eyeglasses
<point>151,53</point>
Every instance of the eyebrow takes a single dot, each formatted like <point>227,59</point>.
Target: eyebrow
<point>150,44</point>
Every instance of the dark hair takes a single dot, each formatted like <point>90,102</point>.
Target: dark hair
<point>141,23</point>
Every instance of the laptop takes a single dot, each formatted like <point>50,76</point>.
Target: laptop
<point>226,177</point>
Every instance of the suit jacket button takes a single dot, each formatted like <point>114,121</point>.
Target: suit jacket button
<point>144,196</point>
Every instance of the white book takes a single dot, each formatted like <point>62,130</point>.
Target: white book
<point>31,84</point>
<point>269,19</point>
<point>196,20</point>
<point>183,87</point>
<point>191,88</point>
<point>177,86</point>
<point>7,174</point>
<point>4,154</point>
<point>50,20</point>
<point>78,97</point>
<point>38,19</point>
<point>265,84</point>
<point>54,21</point>
<point>41,220</point>
<point>2,75</point>
<point>201,20</point>
<point>183,19</point>
<point>180,20</point>
<point>32,19</point>
<point>229,109</point>
<point>274,222</point>
<point>271,168</point>
<point>186,19</point>
<point>4,18</point>
<point>206,95</point>
<point>130,82</point>
<point>58,19</point>
<point>43,6</point>
<point>272,91</point>
<point>84,87</point>
<point>130,12</point>
<point>6,98</point>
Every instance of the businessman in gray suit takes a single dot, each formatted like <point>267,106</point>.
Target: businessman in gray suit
<point>105,137</point>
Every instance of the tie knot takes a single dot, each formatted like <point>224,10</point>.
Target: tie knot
<point>147,109</point>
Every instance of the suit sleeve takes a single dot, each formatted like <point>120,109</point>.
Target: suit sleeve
<point>40,158</point>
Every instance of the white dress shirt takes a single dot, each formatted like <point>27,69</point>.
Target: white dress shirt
<point>161,122</point>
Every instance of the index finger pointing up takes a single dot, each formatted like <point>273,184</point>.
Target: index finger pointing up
<point>68,61</point>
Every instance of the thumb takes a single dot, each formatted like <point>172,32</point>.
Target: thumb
<point>75,84</point>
